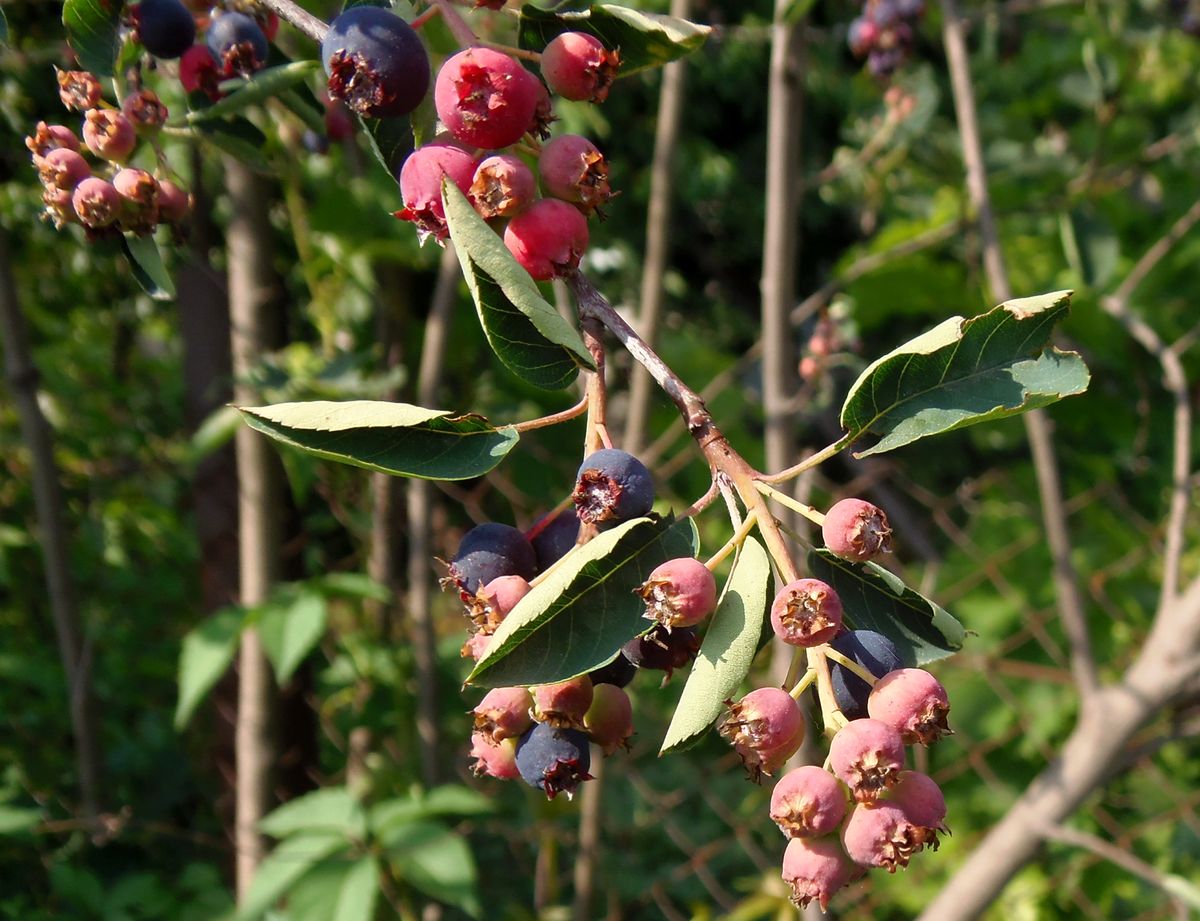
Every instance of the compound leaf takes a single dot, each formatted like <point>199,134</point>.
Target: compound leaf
<point>396,438</point>
<point>92,30</point>
<point>586,609</point>
<point>728,649</point>
<point>965,371</point>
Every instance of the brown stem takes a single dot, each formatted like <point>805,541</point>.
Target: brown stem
<point>463,33</point>
<point>587,858</point>
<point>542,422</point>
<point>299,17</point>
<point>596,397</point>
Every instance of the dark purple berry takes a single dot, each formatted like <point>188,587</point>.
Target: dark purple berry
<point>489,551</point>
<point>612,486</point>
<point>165,28</point>
<point>619,672</point>
<point>554,760</point>
<point>555,539</point>
<point>238,43</point>
<point>874,652</point>
<point>375,62</point>
<point>662,649</point>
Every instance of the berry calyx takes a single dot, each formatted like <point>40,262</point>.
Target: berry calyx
<point>806,612</point>
<point>816,868</point>
<point>880,835</point>
<point>572,168</point>
<point>577,66</point>
<point>867,756</point>
<point>611,485</point>
<point>679,593</point>
<point>914,702</point>
<point>564,703</point>
<point>62,169</point>
<point>548,238</point>
<point>854,529</point>
<point>485,98</point>
<point>165,28</point>
<point>421,185</point>
<point>78,89</point>
<point>503,713</point>
<point>765,728</point>
<point>145,111</point>
<point>46,138</point>
<point>663,650</point>
<point>375,62</point>
<point>139,194</point>
<point>109,135</point>
<point>554,760</point>
<point>238,44</point>
<point>96,203</point>
<point>808,801</point>
<point>502,186</point>
<point>923,803</point>
<point>491,604</point>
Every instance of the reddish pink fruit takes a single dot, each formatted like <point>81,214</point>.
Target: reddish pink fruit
<point>806,612</point>
<point>173,202</point>
<point>63,169</point>
<point>573,169</point>
<point>548,239</point>
<point>198,72</point>
<point>502,187</point>
<point>914,702</point>
<point>96,202</point>
<point>880,835</point>
<point>867,756</point>
<point>145,111</point>
<point>543,112</point>
<point>578,66</point>
<point>58,206</point>
<point>109,135</point>
<point>504,713</point>
<point>491,604</point>
<point>816,868</point>
<point>808,802</point>
<point>609,720</point>
<point>765,728</point>
<point>922,801</point>
<point>139,194</point>
<point>679,593</point>
<point>46,138</point>
<point>78,89</point>
<point>563,704</point>
<point>854,529</point>
<point>485,98</point>
<point>421,185</point>
<point>494,759</point>
<point>475,646</point>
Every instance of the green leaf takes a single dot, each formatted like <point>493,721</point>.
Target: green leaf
<point>350,585</point>
<point>527,334</point>
<point>17,821</point>
<point>396,438</point>
<point>207,652</point>
<point>644,39</point>
<point>264,85</point>
<point>440,801</point>
<point>92,30</point>
<point>146,262</point>
<point>240,139</point>
<point>965,371</point>
<point>391,141</point>
<point>284,865</point>
<point>3,28</point>
<point>728,649</point>
<point>1090,245</point>
<point>586,609</point>
<point>331,809</point>
<point>875,599</point>
<point>290,631</point>
<point>438,862</point>
<point>336,892</point>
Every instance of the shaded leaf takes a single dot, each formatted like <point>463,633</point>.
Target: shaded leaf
<point>586,609</point>
<point>433,859</point>
<point>875,599</point>
<point>290,631</point>
<point>965,371</point>
<point>331,809</point>
<point>727,651</point>
<point>16,821</point>
<point>396,438</point>
<point>238,138</point>
<point>3,28</point>
<point>289,861</point>
<point>445,800</point>
<point>146,262</point>
<point>264,85</point>
<point>207,652</point>
<point>92,31</point>
<point>350,585</point>
<point>527,334</point>
<point>391,141</point>
<point>1090,245</point>
<point>336,892</point>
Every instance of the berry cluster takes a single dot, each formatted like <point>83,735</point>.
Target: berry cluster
<point>885,33</point>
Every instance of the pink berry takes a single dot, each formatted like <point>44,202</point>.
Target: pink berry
<point>881,835</point>
<point>475,646</point>
<point>78,89</point>
<point>421,185</point>
<point>504,713</point>
<point>914,702</point>
<point>922,801</point>
<point>867,756</point>
<point>563,704</point>
<point>679,593</point>
<point>573,169</point>
<point>173,202</point>
<point>548,238</point>
<point>58,206</point>
<point>46,138</point>
<point>139,193</point>
<point>96,202</point>
<point>816,868</point>
<point>808,802</point>
<point>491,604</point>
<point>854,529</point>
<point>765,728</point>
<point>109,135</point>
<point>578,66</point>
<point>502,187</point>
<point>63,169</point>
<point>145,110</point>
<point>494,759</point>
<point>485,98</point>
<point>543,112</point>
<point>198,72</point>
<point>609,720</point>
<point>806,612</point>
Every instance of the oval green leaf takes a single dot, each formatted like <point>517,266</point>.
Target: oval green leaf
<point>965,371</point>
<point>333,809</point>
<point>207,652</point>
<point>290,631</point>
<point>396,438</point>
<point>286,864</point>
<point>727,651</point>
<point>644,39</point>
<point>146,262</point>
<point>336,892</point>
<point>92,31</point>
<point>875,599</point>
<point>527,334</point>
<point>586,609</point>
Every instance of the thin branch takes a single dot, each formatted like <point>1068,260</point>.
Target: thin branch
<point>463,33</point>
<point>542,422</point>
<point>299,17</point>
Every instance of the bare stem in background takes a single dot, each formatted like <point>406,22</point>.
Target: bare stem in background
<point>299,17</point>
<point>587,858</point>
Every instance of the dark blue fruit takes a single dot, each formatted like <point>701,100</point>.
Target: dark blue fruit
<point>612,486</point>
<point>556,539</point>
<point>164,27</point>
<point>489,551</point>
<point>874,652</point>
<point>238,43</point>
<point>375,62</point>
<point>662,649</point>
<point>553,760</point>
<point>620,671</point>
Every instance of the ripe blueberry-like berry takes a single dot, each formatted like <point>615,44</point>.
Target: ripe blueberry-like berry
<point>573,169</point>
<point>923,803</point>
<point>808,801</point>
<point>504,713</point>
<point>679,593</point>
<point>78,89</point>
<point>874,652</point>
<point>612,485</point>
<point>816,868</point>
<point>62,169</point>
<point>564,703</point>
<point>489,551</point>
<point>867,756</point>
<point>96,202</point>
<point>164,27</point>
<point>173,202</point>
<point>806,612</point>
<point>109,135</point>
<point>619,672</point>
<point>494,759</point>
<point>609,720</point>
<point>375,62</point>
<point>502,186</point>
<point>880,835</point>
<point>914,702</point>
<point>548,238</point>
<point>854,529</point>
<point>578,66</point>
<point>553,760</point>
<point>421,185</point>
<point>554,539</point>
<point>663,650</point>
<point>238,43</point>
<point>765,728</point>
<point>485,98</point>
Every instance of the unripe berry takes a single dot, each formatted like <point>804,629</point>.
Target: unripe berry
<point>609,720</point>
<point>816,868</point>
<point>165,28</point>
<point>96,202</point>
<point>503,713</point>
<point>198,72</point>
<point>79,90</point>
<point>578,66</point>
<point>867,756</point>
<point>548,238</point>
<point>63,169</point>
<point>573,169</point>
<point>679,593</point>
<point>173,202</point>
<point>487,552</point>
<point>874,652</point>
<point>914,702</point>
<point>421,185</point>
<point>663,650</point>
<point>880,835</point>
<point>109,135</point>
<point>46,138</point>
<point>139,194</point>
<point>765,728</point>
<point>502,186</point>
<point>543,112</point>
<point>808,801</point>
<point>475,646</point>
<point>611,485</point>
<point>58,206</point>
<point>553,760</point>
<point>806,612</point>
<point>494,759</point>
<point>923,803</point>
<point>375,62</point>
<point>862,35</point>
<point>564,703</point>
<point>238,43</point>
<point>491,604</point>
<point>485,98</point>
<point>854,529</point>
<point>144,110</point>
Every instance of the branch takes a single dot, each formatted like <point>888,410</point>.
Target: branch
<point>299,17</point>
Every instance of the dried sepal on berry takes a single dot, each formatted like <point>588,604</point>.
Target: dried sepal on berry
<point>867,755</point>
<point>854,529</point>
<point>765,728</point>
<point>914,702</point>
<point>806,612</point>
